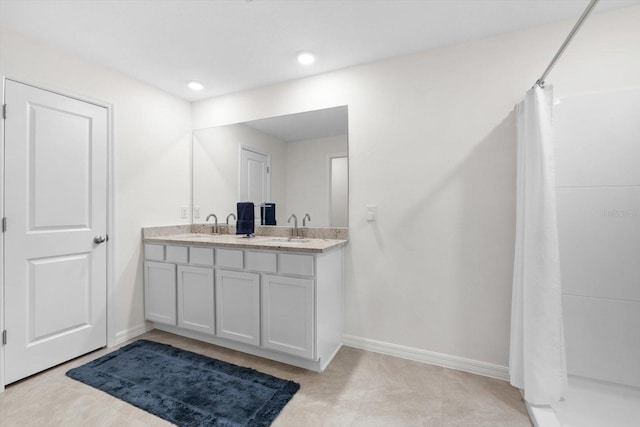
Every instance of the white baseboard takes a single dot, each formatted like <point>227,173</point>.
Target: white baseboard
<point>130,333</point>
<point>430,357</point>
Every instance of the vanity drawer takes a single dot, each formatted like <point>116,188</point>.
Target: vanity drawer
<point>177,254</point>
<point>153,252</point>
<point>231,258</point>
<point>261,261</point>
<point>301,265</point>
<point>201,256</point>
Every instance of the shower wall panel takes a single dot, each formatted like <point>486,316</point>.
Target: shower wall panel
<point>598,187</point>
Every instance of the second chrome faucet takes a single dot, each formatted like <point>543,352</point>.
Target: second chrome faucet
<point>295,232</point>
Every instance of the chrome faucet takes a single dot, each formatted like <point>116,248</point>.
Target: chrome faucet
<point>229,216</point>
<point>214,229</point>
<point>304,220</point>
<point>294,232</point>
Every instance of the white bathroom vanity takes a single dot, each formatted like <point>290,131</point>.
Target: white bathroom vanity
<point>273,297</point>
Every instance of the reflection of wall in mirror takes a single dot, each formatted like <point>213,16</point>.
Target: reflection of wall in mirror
<point>216,168</point>
<point>308,182</point>
<point>339,190</point>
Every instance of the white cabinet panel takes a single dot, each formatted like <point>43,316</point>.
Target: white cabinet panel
<point>154,252</point>
<point>201,256</point>
<point>238,306</point>
<point>261,261</point>
<point>301,265</point>
<point>176,254</point>
<point>160,292</point>
<point>195,299</point>
<point>229,258</point>
<point>602,339</point>
<point>599,233</point>
<point>288,315</point>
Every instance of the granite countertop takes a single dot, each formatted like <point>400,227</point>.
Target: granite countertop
<point>312,245</point>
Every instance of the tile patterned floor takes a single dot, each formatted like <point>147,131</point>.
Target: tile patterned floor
<point>358,389</point>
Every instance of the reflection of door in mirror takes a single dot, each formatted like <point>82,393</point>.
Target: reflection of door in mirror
<point>254,178</point>
<point>338,188</point>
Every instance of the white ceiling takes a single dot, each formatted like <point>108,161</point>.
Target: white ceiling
<point>233,45</point>
<point>305,126</point>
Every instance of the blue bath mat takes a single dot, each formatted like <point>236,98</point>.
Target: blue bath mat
<point>186,388</point>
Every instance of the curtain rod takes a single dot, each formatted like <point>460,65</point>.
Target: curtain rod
<point>583,17</point>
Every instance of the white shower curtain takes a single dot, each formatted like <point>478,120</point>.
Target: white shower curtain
<point>537,361</point>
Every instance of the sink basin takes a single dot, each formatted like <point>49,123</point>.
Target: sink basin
<point>200,237</point>
<point>285,240</point>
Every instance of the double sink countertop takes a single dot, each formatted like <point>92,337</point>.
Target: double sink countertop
<point>193,235</point>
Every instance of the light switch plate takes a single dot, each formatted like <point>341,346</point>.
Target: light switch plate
<point>196,212</point>
<point>372,212</point>
<point>183,212</point>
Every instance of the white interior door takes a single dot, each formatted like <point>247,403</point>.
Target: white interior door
<point>254,177</point>
<point>56,210</point>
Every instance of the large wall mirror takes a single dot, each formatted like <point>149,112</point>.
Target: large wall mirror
<point>298,161</point>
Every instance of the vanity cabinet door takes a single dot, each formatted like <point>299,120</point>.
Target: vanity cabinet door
<point>195,299</point>
<point>287,315</point>
<point>238,306</point>
<point>160,292</point>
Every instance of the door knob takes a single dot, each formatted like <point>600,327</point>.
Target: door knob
<point>99,239</point>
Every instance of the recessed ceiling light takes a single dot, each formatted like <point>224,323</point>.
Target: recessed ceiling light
<point>195,86</point>
<point>306,58</point>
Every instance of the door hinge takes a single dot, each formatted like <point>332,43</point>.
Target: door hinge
<point>4,337</point>
<point>268,169</point>
<point>4,111</point>
<point>4,224</point>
